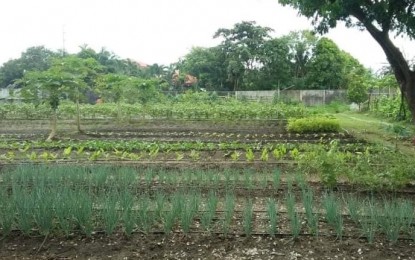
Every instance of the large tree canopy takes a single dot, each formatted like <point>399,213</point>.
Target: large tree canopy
<point>34,58</point>
<point>380,18</point>
<point>243,46</point>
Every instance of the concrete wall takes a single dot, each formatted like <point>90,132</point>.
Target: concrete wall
<point>308,97</point>
<point>4,93</point>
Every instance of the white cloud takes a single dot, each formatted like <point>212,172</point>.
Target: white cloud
<point>155,31</point>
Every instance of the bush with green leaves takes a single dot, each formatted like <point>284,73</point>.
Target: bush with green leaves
<point>313,125</point>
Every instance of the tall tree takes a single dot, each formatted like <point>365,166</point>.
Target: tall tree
<point>277,64</point>
<point>34,58</point>
<point>301,45</point>
<point>208,65</point>
<point>67,77</point>
<point>380,19</point>
<point>243,46</point>
<point>326,67</point>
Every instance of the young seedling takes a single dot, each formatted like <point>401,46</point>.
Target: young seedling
<point>276,178</point>
<point>250,156</point>
<point>273,216</point>
<point>228,213</point>
<point>312,217</point>
<point>235,155</point>
<point>295,222</point>
<point>264,155</point>
<point>247,217</point>
<point>333,213</point>
<point>110,213</point>
<point>210,210</point>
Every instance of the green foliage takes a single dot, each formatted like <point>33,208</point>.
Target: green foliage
<point>329,163</point>
<point>294,218</point>
<point>243,44</point>
<point>389,107</point>
<point>390,15</point>
<point>228,212</point>
<point>326,66</point>
<point>110,212</point>
<point>207,65</point>
<point>7,214</point>
<point>368,220</point>
<point>313,125</point>
<point>210,210</point>
<point>357,92</point>
<point>36,58</point>
<point>247,217</point>
<point>272,213</point>
<point>380,18</point>
<point>333,213</point>
<point>312,217</point>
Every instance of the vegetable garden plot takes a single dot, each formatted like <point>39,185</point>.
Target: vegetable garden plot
<point>181,110</point>
<point>213,180</point>
<point>58,201</point>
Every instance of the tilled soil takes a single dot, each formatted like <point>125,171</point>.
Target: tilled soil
<point>200,246</point>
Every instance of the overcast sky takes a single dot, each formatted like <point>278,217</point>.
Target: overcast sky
<point>156,31</point>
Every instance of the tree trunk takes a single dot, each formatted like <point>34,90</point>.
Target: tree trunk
<point>78,116</point>
<point>53,126</point>
<point>404,75</point>
<point>410,94</point>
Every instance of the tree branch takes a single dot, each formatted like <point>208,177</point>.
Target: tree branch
<point>393,54</point>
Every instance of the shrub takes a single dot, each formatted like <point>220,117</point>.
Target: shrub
<point>313,125</point>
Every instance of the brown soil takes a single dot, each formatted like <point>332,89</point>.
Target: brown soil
<point>200,246</point>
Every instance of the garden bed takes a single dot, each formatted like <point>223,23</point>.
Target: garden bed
<point>199,189</point>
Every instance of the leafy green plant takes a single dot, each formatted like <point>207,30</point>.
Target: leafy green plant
<point>32,156</point>
<point>154,151</point>
<point>264,155</point>
<point>179,156</point>
<point>67,152</point>
<point>249,154</point>
<point>313,125</point>
<point>235,155</point>
<point>95,155</point>
<point>194,155</point>
<point>279,152</point>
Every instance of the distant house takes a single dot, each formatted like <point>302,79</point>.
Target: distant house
<point>139,64</point>
<point>188,80</point>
